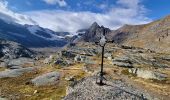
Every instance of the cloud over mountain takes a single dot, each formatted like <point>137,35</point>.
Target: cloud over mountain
<point>124,12</point>
<point>61,3</point>
<point>10,16</point>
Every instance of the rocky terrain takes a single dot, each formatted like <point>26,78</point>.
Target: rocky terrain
<point>71,73</point>
<point>134,67</point>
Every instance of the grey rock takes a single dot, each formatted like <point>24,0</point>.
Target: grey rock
<point>94,33</point>
<point>70,78</point>
<point>108,56</point>
<point>80,58</point>
<point>122,64</point>
<point>20,61</point>
<point>15,72</point>
<point>46,79</point>
<point>3,98</point>
<point>62,62</point>
<point>148,74</point>
<point>49,59</point>
<point>4,64</point>
<point>67,54</point>
<point>15,67</point>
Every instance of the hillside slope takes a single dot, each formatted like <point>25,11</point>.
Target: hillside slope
<point>154,36</point>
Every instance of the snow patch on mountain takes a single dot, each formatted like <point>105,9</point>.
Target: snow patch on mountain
<point>35,29</point>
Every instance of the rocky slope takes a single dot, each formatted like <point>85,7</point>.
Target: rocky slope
<point>12,50</point>
<point>154,36</point>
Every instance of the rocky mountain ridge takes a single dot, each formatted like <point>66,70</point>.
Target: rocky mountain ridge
<point>154,35</point>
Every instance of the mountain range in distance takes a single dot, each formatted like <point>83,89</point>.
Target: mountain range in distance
<point>154,35</point>
<point>31,35</point>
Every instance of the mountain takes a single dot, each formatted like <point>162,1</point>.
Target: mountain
<point>154,36</point>
<point>94,32</point>
<point>31,35</point>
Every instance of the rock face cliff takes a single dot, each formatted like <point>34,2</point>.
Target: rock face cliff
<point>94,33</point>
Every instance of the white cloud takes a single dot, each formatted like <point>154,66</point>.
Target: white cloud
<point>10,16</point>
<point>124,12</point>
<point>129,3</point>
<point>61,3</point>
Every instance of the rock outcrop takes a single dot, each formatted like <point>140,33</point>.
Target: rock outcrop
<point>46,79</point>
<point>148,74</point>
<point>15,72</point>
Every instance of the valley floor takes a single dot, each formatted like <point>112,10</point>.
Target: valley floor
<point>20,88</point>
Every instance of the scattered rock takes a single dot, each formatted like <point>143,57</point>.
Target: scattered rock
<point>36,91</point>
<point>108,56</point>
<point>67,54</point>
<point>122,64</point>
<point>46,79</point>
<point>70,78</point>
<point>89,68</point>
<point>15,72</point>
<point>147,74</point>
<point>63,63</point>
<point>80,58</point>
<point>48,60</point>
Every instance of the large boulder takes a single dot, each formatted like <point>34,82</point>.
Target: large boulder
<point>20,61</point>
<point>15,72</point>
<point>122,62</point>
<point>46,79</point>
<point>148,74</point>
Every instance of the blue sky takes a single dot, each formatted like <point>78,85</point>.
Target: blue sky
<point>71,15</point>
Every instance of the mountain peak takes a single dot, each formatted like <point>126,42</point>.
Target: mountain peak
<point>95,24</point>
